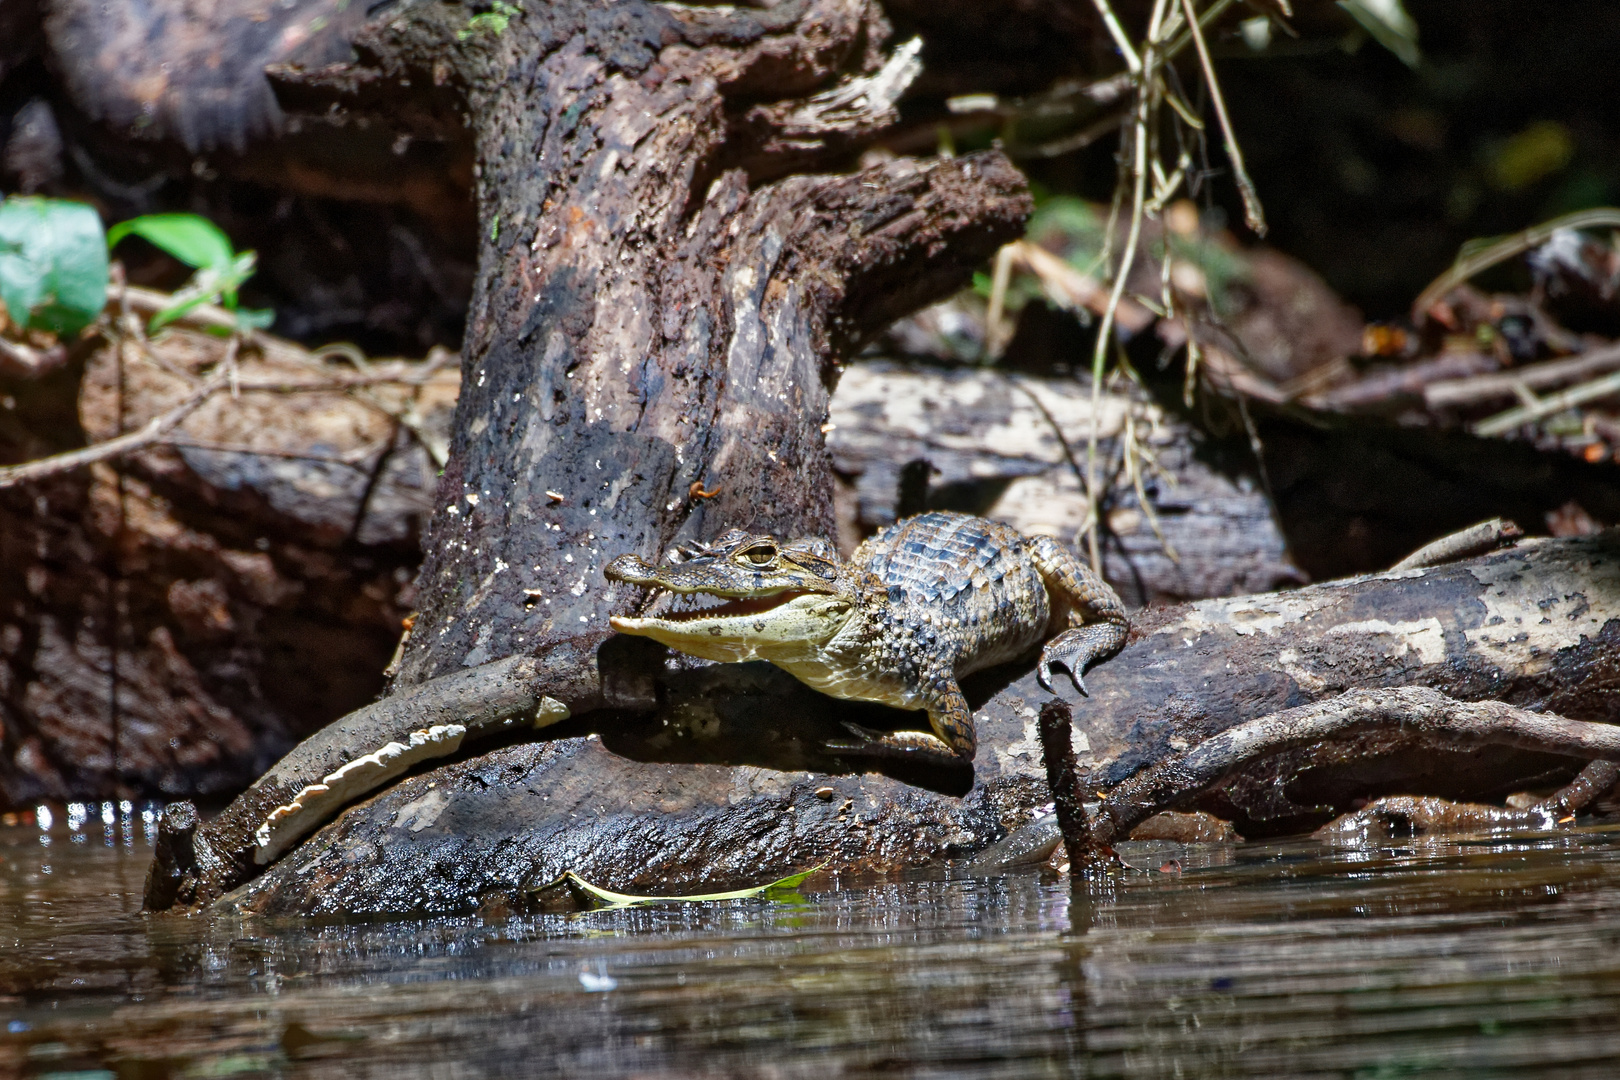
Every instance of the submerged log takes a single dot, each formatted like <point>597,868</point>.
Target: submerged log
<point>721,789</point>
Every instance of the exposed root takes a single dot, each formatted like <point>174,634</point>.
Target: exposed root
<point>1415,711</point>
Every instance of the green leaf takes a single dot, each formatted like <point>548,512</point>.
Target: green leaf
<point>193,240</point>
<point>53,264</point>
<point>207,285</point>
<point>254,318</point>
<point>615,899</point>
<point>1389,24</point>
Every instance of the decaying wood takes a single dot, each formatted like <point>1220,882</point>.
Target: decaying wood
<point>174,627</point>
<point>649,315</point>
<point>722,787</point>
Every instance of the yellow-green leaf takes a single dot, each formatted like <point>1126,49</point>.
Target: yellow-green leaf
<point>617,899</point>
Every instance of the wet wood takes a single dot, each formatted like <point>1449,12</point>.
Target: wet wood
<point>722,787</point>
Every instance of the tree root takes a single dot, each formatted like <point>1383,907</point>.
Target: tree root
<point>1401,816</point>
<point>1413,711</point>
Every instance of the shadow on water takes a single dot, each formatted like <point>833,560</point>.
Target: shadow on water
<point>1495,957</point>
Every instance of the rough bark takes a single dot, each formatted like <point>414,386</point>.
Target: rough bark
<point>644,320</point>
<point>724,789</point>
<point>650,321</point>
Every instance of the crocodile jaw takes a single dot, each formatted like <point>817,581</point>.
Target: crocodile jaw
<point>777,627</point>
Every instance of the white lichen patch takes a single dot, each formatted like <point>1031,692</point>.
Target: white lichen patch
<point>1542,600</point>
<point>1023,755</point>
<point>418,814</point>
<point>1425,637</point>
<point>287,824</point>
<point>1244,615</point>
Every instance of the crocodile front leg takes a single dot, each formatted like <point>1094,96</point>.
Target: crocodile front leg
<point>1098,625</point>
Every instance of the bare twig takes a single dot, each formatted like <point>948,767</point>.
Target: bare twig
<point>25,361</point>
<point>1145,98</point>
<point>998,299</point>
<point>225,374</point>
<point>1453,392</point>
<point>1069,288</point>
<point>1253,214</point>
<point>1504,422</point>
<point>153,431</point>
<point>1473,258</point>
<point>1415,711</point>
<point>1092,503</point>
<point>1474,540</point>
<point>1111,21</point>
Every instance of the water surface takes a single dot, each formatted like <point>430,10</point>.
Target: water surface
<point>1496,957</point>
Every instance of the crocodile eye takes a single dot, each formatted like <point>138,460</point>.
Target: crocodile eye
<point>759,556</point>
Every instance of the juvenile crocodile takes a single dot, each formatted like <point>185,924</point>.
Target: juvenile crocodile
<point>921,604</point>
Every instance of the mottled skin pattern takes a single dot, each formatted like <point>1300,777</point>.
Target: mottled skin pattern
<point>917,607</point>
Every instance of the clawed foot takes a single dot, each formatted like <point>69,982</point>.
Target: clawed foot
<point>1076,649</point>
<point>1043,672</point>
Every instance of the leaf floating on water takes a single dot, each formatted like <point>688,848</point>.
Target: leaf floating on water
<point>616,899</point>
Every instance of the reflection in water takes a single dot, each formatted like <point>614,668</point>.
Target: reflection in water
<point>1477,959</point>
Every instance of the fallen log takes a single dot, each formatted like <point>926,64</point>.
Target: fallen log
<point>726,780</point>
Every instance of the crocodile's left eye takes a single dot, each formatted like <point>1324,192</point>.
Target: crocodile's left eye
<point>759,556</point>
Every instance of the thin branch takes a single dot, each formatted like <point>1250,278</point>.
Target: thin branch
<point>1475,258</point>
<point>25,361</point>
<point>1117,32</point>
<point>1502,423</point>
<point>226,374</point>
<point>1413,711</point>
<point>1539,376</point>
<point>1475,540</point>
<point>1253,214</point>
<point>152,432</point>
<point>1144,107</point>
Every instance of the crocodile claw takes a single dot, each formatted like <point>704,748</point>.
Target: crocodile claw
<point>1043,674</point>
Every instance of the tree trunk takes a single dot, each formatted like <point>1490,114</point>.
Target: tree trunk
<point>657,321</point>
<point>649,320</point>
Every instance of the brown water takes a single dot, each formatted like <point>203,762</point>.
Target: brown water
<point>1480,959</point>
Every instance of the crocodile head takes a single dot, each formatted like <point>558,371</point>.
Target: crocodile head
<point>761,598</point>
